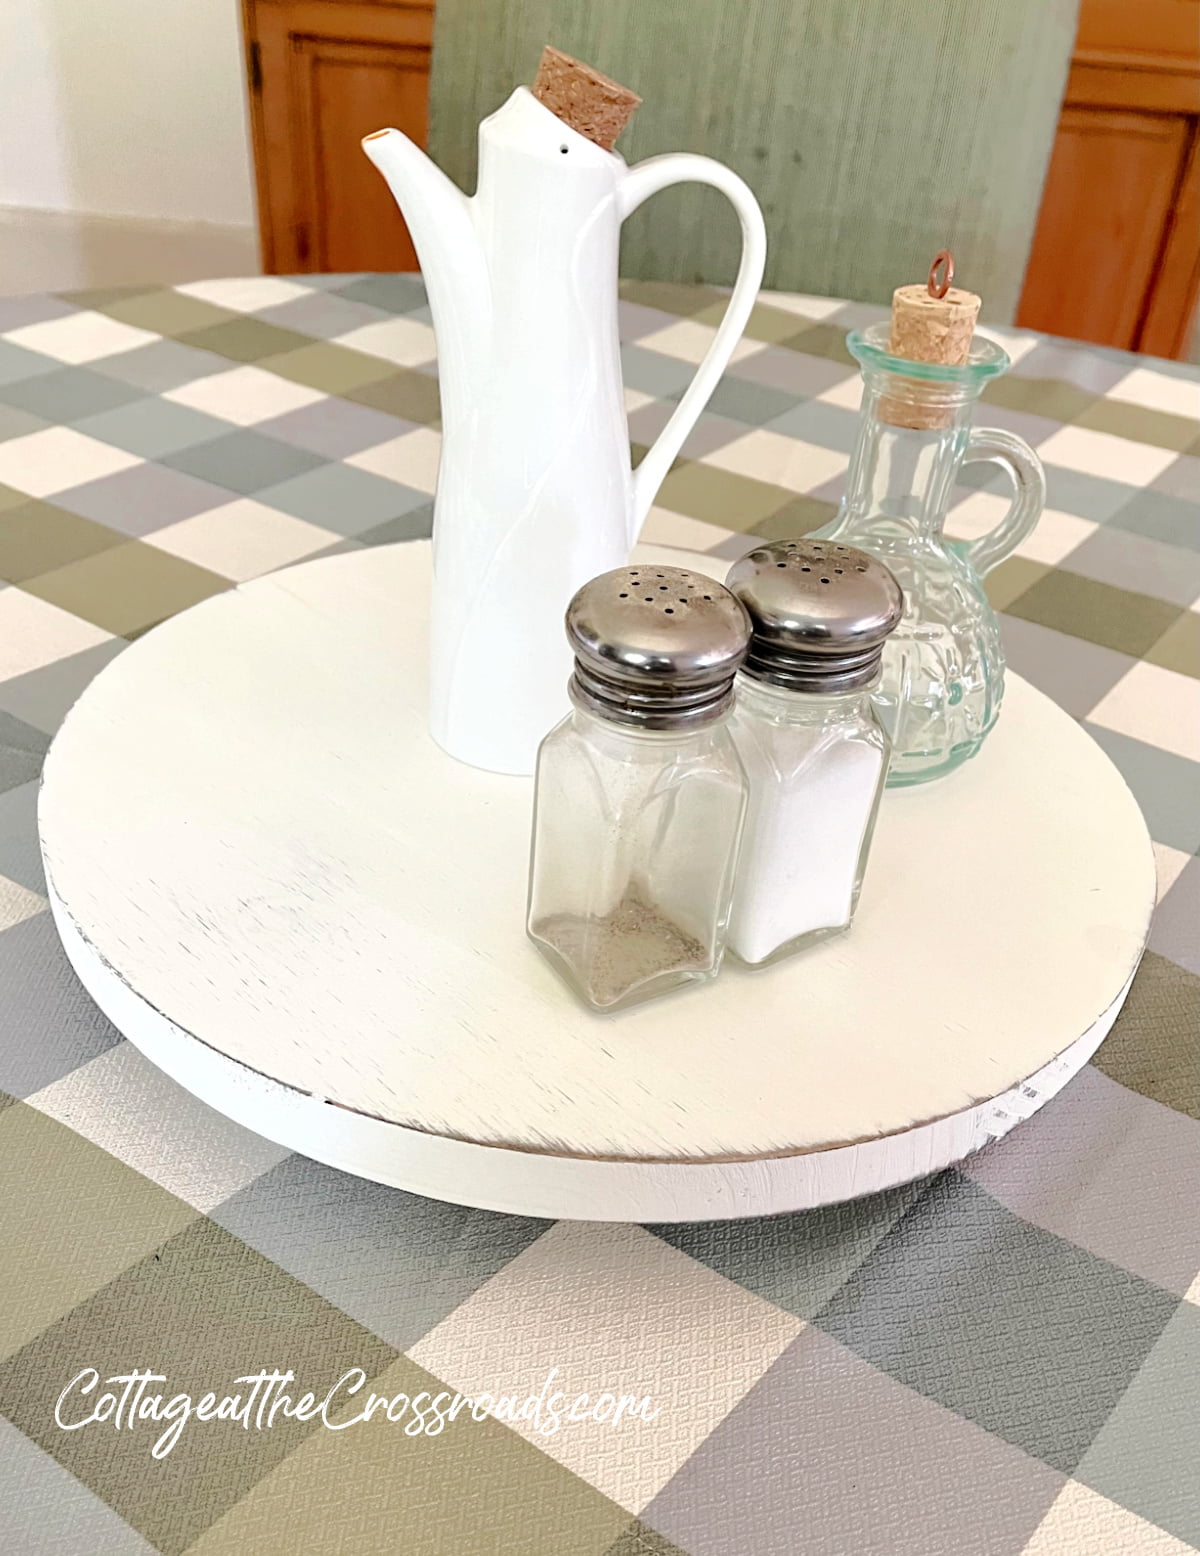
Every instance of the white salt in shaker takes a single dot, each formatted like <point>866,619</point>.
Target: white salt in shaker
<point>815,753</point>
<point>640,792</point>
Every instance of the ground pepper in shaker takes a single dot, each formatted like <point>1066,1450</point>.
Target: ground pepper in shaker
<point>814,751</point>
<point>640,792</point>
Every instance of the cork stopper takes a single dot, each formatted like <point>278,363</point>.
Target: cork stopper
<point>926,328</point>
<point>931,322</point>
<point>590,103</point>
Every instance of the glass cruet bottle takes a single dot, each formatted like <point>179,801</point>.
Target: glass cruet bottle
<point>943,667</point>
<point>814,751</point>
<point>640,793</point>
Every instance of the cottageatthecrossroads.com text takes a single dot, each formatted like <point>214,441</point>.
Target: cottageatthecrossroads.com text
<point>136,1402</point>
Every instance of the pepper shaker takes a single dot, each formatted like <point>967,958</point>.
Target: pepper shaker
<point>640,793</point>
<point>814,750</point>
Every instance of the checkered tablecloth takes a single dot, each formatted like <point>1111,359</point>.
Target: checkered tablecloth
<point>1002,1359</point>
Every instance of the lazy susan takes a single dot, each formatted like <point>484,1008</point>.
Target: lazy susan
<point>279,889</point>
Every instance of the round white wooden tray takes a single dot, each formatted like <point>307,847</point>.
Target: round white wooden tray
<point>276,885</point>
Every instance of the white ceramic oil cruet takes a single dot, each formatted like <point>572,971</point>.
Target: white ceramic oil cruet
<point>535,491</point>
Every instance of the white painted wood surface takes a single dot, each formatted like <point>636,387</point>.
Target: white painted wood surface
<point>275,884</point>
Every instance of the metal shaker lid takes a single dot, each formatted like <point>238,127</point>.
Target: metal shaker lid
<point>819,613</point>
<point>656,647</point>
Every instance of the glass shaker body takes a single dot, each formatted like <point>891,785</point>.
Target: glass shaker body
<point>815,753</point>
<point>816,765</point>
<point>640,792</point>
<point>634,846</point>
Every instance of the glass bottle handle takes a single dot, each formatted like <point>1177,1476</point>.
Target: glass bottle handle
<point>1024,470</point>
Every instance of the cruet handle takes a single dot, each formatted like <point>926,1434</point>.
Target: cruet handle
<point>639,183</point>
<point>1024,470</point>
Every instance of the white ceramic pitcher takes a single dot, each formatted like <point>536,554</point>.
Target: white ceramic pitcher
<point>535,493</point>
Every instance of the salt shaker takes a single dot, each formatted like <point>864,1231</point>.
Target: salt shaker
<point>640,792</point>
<point>814,751</point>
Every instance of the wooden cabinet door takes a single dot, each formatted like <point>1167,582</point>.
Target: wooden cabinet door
<point>324,73</point>
<point>1108,199</point>
<point>1116,255</point>
<point>1167,326</point>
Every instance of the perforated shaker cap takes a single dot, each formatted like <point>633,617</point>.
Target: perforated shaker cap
<point>656,647</point>
<point>820,613</point>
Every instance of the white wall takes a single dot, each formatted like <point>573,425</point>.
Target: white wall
<point>132,108</point>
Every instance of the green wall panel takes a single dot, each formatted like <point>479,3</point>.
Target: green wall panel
<point>873,132</point>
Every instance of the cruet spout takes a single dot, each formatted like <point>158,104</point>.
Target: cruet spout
<point>443,231</point>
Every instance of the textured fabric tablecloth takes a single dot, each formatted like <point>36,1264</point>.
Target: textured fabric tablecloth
<point>1003,1359</point>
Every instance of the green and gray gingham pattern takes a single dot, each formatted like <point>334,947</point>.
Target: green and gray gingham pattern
<point>1004,1359</point>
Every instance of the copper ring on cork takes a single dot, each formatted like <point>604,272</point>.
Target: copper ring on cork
<point>943,260</point>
